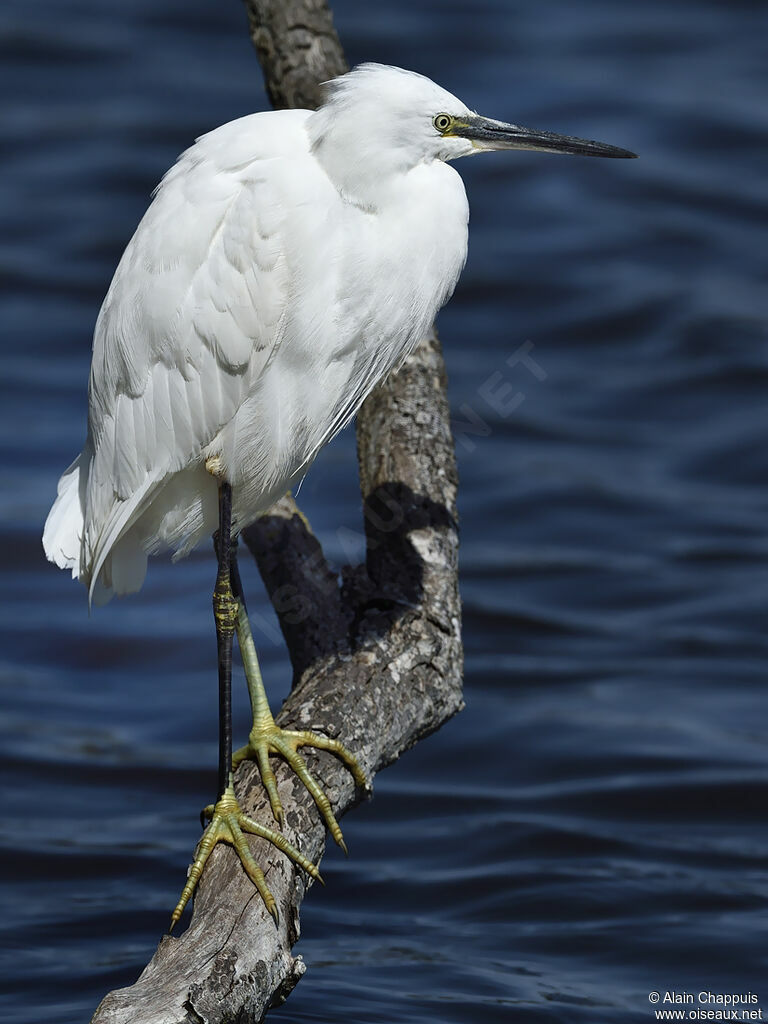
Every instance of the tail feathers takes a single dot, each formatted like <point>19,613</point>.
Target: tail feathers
<point>119,563</point>
<point>122,571</point>
<point>63,532</point>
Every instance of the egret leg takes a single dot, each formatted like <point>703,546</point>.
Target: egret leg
<point>227,822</point>
<point>267,738</point>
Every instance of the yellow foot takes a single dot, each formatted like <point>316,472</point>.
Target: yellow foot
<point>267,738</point>
<point>227,824</point>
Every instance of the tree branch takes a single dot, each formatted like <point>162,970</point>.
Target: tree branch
<point>377,660</point>
<point>302,588</point>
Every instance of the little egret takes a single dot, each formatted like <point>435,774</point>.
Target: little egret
<point>287,263</point>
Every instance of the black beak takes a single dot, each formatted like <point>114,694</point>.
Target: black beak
<point>485,133</point>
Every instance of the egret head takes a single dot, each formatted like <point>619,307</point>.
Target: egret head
<point>378,120</point>
<point>389,112</point>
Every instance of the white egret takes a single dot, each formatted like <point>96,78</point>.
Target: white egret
<point>287,263</point>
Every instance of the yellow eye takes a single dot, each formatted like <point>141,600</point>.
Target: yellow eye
<point>442,122</point>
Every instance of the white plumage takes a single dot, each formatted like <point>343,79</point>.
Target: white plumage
<point>267,289</point>
<point>288,261</point>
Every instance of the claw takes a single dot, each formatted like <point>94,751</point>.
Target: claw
<point>228,824</point>
<point>267,738</point>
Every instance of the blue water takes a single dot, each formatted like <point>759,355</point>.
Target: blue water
<point>593,826</point>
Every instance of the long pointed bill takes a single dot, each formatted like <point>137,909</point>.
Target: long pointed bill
<point>485,133</point>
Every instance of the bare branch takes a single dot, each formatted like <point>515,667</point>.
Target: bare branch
<point>298,48</point>
<point>302,588</point>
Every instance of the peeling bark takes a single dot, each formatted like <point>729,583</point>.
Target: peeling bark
<point>377,655</point>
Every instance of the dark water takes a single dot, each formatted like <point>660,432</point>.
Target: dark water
<point>593,826</point>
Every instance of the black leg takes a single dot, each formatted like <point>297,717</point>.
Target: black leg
<point>225,614</point>
<point>226,820</point>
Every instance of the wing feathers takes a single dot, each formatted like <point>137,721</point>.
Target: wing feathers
<point>190,321</point>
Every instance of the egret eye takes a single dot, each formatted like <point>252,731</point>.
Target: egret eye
<point>442,122</point>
